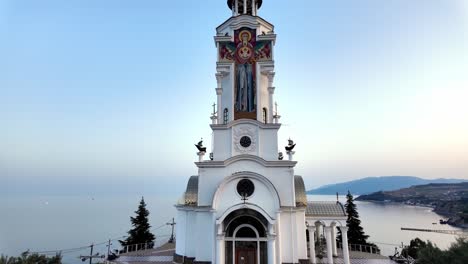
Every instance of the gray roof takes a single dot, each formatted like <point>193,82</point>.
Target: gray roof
<point>299,188</point>
<point>332,209</point>
<point>191,193</point>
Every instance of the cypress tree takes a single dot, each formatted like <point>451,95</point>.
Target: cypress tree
<point>140,233</point>
<point>356,233</point>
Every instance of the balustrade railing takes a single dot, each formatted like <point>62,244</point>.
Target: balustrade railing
<point>142,246</point>
<point>137,247</point>
<point>361,248</point>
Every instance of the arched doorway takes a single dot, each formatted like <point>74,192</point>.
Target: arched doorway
<point>246,237</point>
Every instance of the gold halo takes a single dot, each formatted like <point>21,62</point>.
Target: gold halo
<point>245,32</point>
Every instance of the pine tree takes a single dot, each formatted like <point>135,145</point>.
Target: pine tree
<point>140,233</point>
<point>356,233</point>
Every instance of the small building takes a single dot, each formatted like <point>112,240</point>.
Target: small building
<point>246,205</point>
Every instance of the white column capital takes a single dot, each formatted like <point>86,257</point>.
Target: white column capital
<point>219,78</point>
<point>343,228</point>
<point>271,89</point>
<point>219,91</point>
<point>311,228</point>
<point>271,76</point>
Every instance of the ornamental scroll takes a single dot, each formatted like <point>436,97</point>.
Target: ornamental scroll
<point>245,52</point>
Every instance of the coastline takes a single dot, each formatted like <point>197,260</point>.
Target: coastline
<point>452,219</point>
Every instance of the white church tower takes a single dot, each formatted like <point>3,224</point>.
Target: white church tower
<point>246,205</point>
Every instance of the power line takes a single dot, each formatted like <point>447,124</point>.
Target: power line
<point>76,249</point>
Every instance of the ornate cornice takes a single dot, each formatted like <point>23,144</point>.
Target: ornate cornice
<point>245,121</point>
<point>257,159</point>
<point>245,21</point>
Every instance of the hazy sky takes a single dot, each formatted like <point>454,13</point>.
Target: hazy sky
<point>96,93</point>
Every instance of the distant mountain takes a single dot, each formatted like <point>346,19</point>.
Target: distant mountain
<point>374,184</point>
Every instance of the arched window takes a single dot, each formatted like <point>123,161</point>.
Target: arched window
<point>225,116</point>
<point>265,115</point>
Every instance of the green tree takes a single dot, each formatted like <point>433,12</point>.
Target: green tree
<point>140,233</point>
<point>431,254</point>
<point>356,233</point>
<point>428,253</point>
<point>414,248</point>
<point>27,258</point>
<point>456,254</point>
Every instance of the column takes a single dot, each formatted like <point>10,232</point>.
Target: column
<point>328,237</point>
<point>271,249</point>
<point>219,92</point>
<point>253,7</point>
<point>245,7</point>
<point>219,249</point>
<point>317,231</point>
<point>311,229</point>
<point>278,236</point>
<point>334,248</point>
<point>233,7</point>
<point>271,91</point>
<point>237,7</point>
<point>344,236</point>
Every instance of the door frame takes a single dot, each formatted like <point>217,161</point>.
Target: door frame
<point>235,239</point>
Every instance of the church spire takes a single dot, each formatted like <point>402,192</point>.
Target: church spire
<point>244,7</point>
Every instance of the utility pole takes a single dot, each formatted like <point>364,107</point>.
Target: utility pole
<point>90,257</point>
<point>108,248</point>
<point>172,224</point>
<point>91,254</point>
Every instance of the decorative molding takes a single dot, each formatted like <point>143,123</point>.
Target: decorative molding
<point>245,21</point>
<point>266,66</point>
<point>250,175</point>
<point>261,161</point>
<point>245,121</point>
<point>224,67</point>
<point>241,131</point>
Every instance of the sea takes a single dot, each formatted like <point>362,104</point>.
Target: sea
<point>71,224</point>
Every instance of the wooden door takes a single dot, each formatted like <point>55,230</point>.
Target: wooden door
<point>246,256</point>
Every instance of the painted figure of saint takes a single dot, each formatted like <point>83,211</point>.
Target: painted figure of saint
<point>245,90</point>
<point>245,94</point>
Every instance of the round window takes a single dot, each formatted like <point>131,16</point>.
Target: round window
<point>245,141</point>
<point>245,188</point>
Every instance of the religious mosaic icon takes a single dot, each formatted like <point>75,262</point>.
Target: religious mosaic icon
<point>245,52</point>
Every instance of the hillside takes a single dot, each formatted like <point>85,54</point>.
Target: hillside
<point>375,184</point>
<point>450,200</point>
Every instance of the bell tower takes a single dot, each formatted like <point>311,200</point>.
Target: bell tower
<point>245,65</point>
<point>248,7</point>
<point>245,121</point>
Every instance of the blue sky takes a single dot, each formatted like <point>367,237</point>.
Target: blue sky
<point>99,92</point>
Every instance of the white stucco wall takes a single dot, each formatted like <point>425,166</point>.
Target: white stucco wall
<point>263,198</point>
<point>204,236</point>
<point>211,178</point>
<point>181,231</point>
